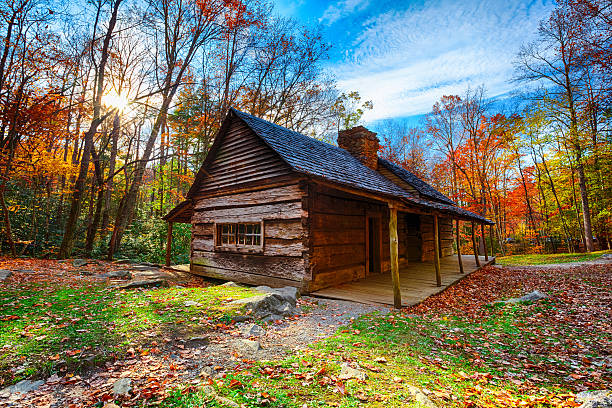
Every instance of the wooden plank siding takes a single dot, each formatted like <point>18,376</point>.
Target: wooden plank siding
<point>427,235</point>
<point>242,158</point>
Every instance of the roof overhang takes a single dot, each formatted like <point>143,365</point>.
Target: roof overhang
<point>181,213</point>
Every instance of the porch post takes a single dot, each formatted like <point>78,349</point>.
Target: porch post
<point>474,244</point>
<point>484,241</point>
<point>169,244</point>
<point>437,251</point>
<point>459,246</point>
<point>397,294</point>
<point>491,238</point>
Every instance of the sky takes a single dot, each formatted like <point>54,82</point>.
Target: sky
<point>404,55</point>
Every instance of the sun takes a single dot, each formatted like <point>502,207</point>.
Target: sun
<point>114,100</point>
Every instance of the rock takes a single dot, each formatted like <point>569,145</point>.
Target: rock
<point>153,283</point>
<point>206,372</point>
<point>272,318</point>
<point>231,284</point>
<point>142,267</point>
<point>5,274</point>
<point>118,275</point>
<point>122,386</point>
<point>190,303</point>
<point>85,272</point>
<point>530,297</point>
<point>266,305</point>
<point>348,372</point>
<point>288,293</point>
<point>253,330</point>
<point>241,318</point>
<point>247,347</point>
<point>21,388</point>
<point>420,397</point>
<point>595,399</point>
<point>197,341</point>
<point>78,263</point>
<point>606,257</point>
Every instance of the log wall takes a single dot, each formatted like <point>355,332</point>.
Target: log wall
<point>337,225</point>
<point>427,235</point>
<point>279,262</point>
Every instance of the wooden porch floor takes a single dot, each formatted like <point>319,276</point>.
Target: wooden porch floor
<point>417,282</point>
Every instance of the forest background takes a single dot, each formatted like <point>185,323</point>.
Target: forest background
<point>109,107</point>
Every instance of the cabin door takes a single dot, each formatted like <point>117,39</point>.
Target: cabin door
<point>373,245</point>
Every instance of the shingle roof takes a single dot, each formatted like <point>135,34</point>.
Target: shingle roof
<point>312,157</point>
<point>422,187</point>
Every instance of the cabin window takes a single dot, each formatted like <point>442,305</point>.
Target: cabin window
<point>239,234</point>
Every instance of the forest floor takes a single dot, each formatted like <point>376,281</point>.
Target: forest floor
<point>456,349</point>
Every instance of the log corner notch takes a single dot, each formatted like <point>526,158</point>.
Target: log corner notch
<point>393,240</point>
<point>169,243</point>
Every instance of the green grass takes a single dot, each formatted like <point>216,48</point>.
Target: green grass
<point>540,259</point>
<point>46,327</point>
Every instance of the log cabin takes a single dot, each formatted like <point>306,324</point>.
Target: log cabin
<point>275,207</point>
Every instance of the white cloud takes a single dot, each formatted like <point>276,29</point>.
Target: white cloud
<point>405,60</point>
<point>342,9</point>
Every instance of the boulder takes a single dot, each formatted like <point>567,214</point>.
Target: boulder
<point>272,304</point>
<point>78,263</point>
<point>191,303</point>
<point>252,329</point>
<point>595,399</point>
<point>122,386</point>
<point>118,275</point>
<point>153,283</point>
<point>288,293</point>
<point>5,274</point>
<point>347,372</point>
<point>530,297</point>
<point>607,257</point>
<point>22,388</point>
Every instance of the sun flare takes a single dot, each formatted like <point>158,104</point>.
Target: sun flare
<point>114,100</point>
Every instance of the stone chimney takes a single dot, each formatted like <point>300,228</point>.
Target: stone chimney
<point>360,143</point>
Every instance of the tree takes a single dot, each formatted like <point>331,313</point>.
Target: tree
<point>349,109</point>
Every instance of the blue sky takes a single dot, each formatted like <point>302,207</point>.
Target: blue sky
<point>404,55</point>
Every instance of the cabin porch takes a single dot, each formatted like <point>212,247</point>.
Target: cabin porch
<point>417,282</point>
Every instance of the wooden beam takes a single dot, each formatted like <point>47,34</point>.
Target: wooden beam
<point>459,247</point>
<point>474,246</point>
<point>484,241</point>
<point>397,294</point>
<point>169,244</point>
<point>491,238</point>
<point>437,251</point>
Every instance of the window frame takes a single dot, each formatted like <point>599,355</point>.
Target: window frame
<point>235,246</point>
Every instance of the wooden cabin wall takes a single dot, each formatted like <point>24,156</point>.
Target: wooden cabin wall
<point>446,237</point>
<point>338,236</point>
<point>281,261</point>
<point>409,237</point>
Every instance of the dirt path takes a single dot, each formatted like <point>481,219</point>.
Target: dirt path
<point>184,362</point>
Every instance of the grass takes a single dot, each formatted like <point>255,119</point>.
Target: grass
<point>470,353</point>
<point>541,259</point>
<point>49,327</point>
